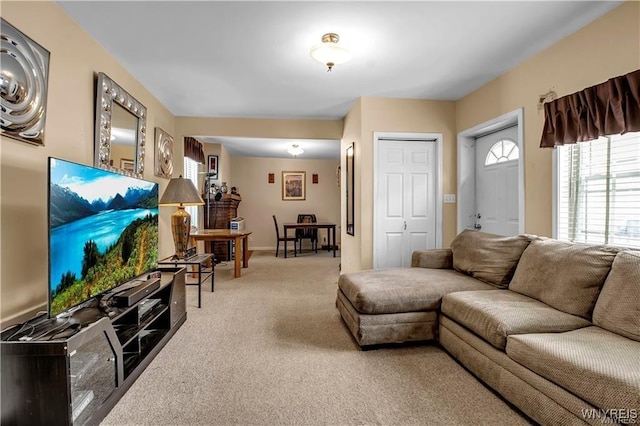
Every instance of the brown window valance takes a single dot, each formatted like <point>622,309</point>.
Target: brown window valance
<point>193,149</point>
<point>609,108</point>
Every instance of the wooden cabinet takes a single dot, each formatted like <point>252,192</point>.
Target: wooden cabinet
<point>218,215</point>
<point>56,374</point>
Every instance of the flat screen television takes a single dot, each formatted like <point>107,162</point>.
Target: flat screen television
<point>103,232</point>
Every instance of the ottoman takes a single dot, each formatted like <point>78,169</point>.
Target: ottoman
<point>397,305</point>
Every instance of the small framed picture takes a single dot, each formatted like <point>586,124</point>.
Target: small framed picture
<point>212,168</point>
<point>294,186</point>
<point>128,165</point>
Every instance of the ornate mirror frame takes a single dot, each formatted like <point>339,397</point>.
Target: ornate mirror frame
<point>108,93</point>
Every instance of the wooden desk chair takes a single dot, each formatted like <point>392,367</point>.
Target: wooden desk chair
<point>279,238</point>
<point>310,234</point>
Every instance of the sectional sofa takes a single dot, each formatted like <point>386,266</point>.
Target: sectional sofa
<point>552,326</point>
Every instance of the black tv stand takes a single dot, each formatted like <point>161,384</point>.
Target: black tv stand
<point>73,369</point>
<point>137,293</point>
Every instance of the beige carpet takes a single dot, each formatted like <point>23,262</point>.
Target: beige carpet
<point>269,348</point>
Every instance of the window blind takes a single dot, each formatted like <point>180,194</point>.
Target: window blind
<point>599,191</point>
<point>191,173</point>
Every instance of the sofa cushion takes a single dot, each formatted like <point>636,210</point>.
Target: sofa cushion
<point>487,257</point>
<point>387,291</point>
<point>618,306</point>
<point>567,276</point>
<point>432,258</point>
<point>598,366</point>
<point>495,315</point>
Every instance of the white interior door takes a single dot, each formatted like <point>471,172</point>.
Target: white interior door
<point>406,201</point>
<point>497,182</point>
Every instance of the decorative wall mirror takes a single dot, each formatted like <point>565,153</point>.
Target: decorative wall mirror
<point>350,187</point>
<point>120,129</point>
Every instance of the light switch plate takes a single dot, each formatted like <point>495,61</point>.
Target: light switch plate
<point>449,198</point>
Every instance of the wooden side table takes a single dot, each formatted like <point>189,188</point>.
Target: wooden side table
<point>200,270</point>
<point>240,238</point>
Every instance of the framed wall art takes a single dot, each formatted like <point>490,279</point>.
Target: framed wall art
<point>212,166</point>
<point>294,186</point>
<point>164,153</point>
<point>24,71</point>
<point>127,165</point>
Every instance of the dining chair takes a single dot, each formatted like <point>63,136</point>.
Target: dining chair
<point>310,234</point>
<point>279,238</point>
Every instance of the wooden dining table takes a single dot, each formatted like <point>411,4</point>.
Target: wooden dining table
<point>239,237</point>
<point>331,236</point>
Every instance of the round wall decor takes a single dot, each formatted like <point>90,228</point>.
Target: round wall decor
<point>164,153</point>
<point>24,71</point>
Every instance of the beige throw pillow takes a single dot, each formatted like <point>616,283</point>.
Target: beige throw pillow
<point>567,276</point>
<point>618,306</point>
<point>487,257</point>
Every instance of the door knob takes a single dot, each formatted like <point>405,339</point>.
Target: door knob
<point>405,226</point>
<point>477,225</point>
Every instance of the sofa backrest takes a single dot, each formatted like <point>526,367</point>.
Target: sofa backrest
<point>618,306</point>
<point>487,257</point>
<point>566,276</point>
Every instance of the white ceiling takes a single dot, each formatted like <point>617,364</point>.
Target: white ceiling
<point>251,59</point>
<point>319,149</point>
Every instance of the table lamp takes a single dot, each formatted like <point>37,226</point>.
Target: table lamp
<point>180,193</point>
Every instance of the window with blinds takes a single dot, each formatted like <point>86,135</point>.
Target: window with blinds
<point>599,191</point>
<point>191,173</point>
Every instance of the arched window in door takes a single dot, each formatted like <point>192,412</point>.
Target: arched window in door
<point>501,151</point>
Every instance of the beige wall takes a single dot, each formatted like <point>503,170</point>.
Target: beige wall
<point>395,115</point>
<point>75,57</point>
<point>121,152</point>
<point>261,200</point>
<point>259,128</point>
<point>608,47</point>
<point>351,260</point>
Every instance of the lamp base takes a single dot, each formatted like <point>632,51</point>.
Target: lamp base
<point>180,228</point>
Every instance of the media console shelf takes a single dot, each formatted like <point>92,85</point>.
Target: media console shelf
<point>77,379</point>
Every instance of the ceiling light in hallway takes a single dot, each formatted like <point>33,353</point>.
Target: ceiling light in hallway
<point>295,150</point>
<point>329,52</point>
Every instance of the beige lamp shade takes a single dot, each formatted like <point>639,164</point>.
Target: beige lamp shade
<point>181,192</point>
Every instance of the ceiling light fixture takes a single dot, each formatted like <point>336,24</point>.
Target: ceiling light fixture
<point>295,150</point>
<point>329,52</point>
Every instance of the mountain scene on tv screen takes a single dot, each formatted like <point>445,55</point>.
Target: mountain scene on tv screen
<point>103,232</point>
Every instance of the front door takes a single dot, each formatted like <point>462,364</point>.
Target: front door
<point>405,204</point>
<point>497,182</point>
